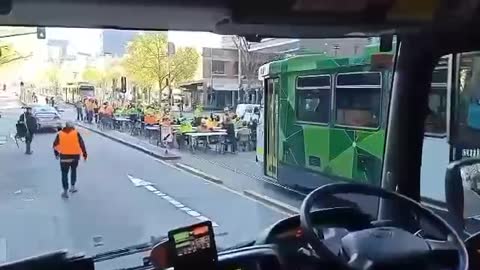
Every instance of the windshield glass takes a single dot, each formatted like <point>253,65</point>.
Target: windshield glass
<point>174,128</point>
<point>455,73</point>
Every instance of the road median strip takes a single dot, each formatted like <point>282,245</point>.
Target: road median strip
<point>132,145</point>
<point>199,173</point>
<point>272,202</point>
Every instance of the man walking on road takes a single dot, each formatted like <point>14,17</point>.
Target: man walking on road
<point>30,124</point>
<point>68,147</point>
<point>79,107</point>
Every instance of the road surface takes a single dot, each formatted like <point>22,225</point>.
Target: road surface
<point>124,198</point>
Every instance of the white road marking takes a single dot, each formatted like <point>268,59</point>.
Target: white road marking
<point>202,218</point>
<point>3,140</point>
<point>138,182</point>
<point>224,187</point>
<point>3,250</point>
<point>151,188</point>
<point>193,213</point>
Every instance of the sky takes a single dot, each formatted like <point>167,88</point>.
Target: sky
<point>83,40</point>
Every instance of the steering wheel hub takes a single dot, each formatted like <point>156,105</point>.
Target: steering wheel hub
<point>383,245</point>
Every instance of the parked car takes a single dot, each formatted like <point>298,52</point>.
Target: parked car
<point>47,117</point>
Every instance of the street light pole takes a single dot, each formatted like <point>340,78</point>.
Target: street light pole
<point>239,74</point>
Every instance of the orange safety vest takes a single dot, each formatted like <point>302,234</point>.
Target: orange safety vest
<point>68,143</point>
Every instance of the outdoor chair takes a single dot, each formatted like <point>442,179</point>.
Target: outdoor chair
<point>214,141</point>
<point>136,128</point>
<point>244,138</point>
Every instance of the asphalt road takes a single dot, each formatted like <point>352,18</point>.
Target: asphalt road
<point>109,206</point>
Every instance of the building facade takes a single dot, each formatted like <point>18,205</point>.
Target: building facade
<point>224,82</point>
<point>114,42</point>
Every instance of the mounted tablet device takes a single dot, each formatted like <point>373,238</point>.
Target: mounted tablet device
<point>193,247</point>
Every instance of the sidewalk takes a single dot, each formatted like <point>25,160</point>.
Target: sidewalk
<point>140,144</point>
<point>238,172</point>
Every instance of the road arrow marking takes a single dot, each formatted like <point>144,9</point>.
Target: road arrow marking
<point>138,182</point>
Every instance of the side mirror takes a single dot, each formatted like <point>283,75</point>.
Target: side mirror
<point>462,179</point>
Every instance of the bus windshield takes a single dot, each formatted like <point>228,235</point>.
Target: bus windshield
<point>183,127</point>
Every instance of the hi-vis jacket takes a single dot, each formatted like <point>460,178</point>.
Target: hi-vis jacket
<point>69,144</point>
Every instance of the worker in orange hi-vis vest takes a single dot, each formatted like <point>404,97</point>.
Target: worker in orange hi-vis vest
<point>69,147</point>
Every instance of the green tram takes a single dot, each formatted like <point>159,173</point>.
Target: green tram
<point>333,118</point>
<point>325,118</point>
<point>74,91</point>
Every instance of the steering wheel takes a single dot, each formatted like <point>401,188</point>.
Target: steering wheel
<point>383,246</point>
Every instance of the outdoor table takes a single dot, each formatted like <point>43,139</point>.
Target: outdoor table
<point>124,122</point>
<point>155,129</point>
<point>194,137</point>
<point>224,130</point>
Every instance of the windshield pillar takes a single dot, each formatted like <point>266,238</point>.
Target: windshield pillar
<point>408,110</point>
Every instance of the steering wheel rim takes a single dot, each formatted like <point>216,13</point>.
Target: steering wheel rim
<point>362,189</point>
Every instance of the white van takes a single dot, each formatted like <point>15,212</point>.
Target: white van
<point>245,111</point>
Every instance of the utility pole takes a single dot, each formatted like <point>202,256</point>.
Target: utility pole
<point>239,74</point>
<point>205,98</point>
<point>170,52</point>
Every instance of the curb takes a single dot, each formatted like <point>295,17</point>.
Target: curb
<point>199,173</point>
<point>129,144</point>
<point>272,202</point>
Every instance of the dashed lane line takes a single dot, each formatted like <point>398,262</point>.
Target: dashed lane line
<point>180,206</point>
<point>3,140</point>
<point>3,250</point>
<point>269,206</point>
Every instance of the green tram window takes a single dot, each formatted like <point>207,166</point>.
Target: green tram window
<point>313,94</point>
<point>436,121</point>
<point>358,99</point>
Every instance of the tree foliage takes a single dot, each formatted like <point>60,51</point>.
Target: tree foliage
<point>53,75</point>
<point>92,75</point>
<point>8,54</point>
<point>148,63</point>
<point>250,61</point>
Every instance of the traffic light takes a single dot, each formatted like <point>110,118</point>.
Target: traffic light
<point>123,84</point>
<point>41,33</point>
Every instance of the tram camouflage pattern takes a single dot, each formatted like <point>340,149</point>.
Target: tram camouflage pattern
<point>346,153</point>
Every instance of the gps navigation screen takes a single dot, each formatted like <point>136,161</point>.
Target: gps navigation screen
<point>194,246</point>
<point>192,241</point>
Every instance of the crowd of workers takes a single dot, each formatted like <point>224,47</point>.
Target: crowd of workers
<point>90,110</point>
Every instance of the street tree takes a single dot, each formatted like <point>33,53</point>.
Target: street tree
<point>8,54</point>
<point>148,63</point>
<point>92,75</point>
<point>53,75</point>
<point>250,62</point>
